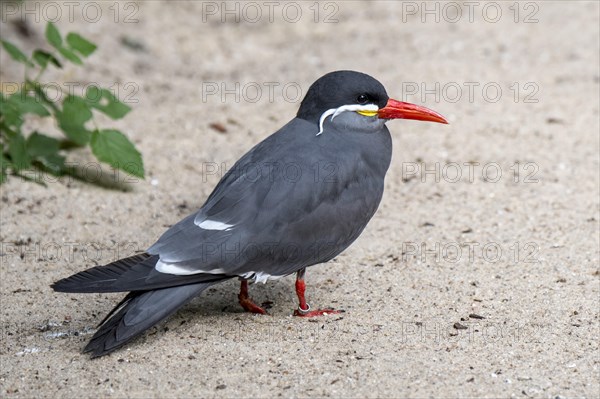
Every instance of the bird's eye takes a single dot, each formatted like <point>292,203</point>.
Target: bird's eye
<point>362,99</point>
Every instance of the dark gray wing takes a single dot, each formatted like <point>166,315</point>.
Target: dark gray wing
<point>280,208</point>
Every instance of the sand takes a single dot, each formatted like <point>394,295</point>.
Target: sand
<point>477,277</point>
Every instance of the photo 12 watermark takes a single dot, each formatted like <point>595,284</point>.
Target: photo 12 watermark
<point>91,172</point>
<point>470,172</point>
<point>57,92</point>
<point>470,252</point>
<point>253,12</point>
<point>470,332</point>
<point>85,253</point>
<point>282,172</point>
<point>484,92</point>
<point>126,12</point>
<point>453,12</point>
<point>251,92</point>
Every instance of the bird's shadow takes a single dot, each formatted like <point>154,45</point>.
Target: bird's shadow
<point>223,299</point>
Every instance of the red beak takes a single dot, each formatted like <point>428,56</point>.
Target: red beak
<point>401,110</point>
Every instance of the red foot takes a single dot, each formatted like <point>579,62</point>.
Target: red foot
<point>319,312</point>
<point>303,307</point>
<point>250,306</point>
<point>246,301</point>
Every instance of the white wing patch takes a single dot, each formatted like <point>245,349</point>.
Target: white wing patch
<point>214,225</point>
<point>344,108</point>
<point>179,270</point>
<point>259,277</point>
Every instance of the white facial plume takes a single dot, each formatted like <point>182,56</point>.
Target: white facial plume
<point>345,108</point>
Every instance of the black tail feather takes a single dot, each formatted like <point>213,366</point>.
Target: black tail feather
<point>139,311</point>
<point>103,278</point>
<point>136,273</point>
<point>119,306</point>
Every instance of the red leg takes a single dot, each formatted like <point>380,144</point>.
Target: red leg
<point>246,301</point>
<point>303,307</point>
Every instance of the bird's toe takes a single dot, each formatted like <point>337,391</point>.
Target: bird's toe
<point>318,312</point>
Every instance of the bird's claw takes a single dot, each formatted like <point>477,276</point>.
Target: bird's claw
<point>313,313</point>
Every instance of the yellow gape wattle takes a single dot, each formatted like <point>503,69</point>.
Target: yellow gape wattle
<point>368,113</point>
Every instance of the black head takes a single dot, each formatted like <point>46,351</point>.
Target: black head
<point>339,88</point>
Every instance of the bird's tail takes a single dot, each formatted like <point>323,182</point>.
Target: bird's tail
<point>107,278</point>
<point>153,297</point>
<point>139,311</point>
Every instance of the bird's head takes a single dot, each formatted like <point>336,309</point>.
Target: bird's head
<point>359,100</point>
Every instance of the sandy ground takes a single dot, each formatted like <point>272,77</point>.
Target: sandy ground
<point>504,225</point>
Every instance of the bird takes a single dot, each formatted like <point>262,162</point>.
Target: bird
<point>297,199</point>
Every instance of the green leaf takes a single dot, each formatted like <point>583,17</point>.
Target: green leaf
<point>41,94</point>
<point>15,53</point>
<point>114,148</point>
<point>3,103</point>
<point>53,163</point>
<point>104,101</point>
<point>53,36</point>
<point>3,161</point>
<point>70,55</point>
<point>4,164</point>
<point>27,104</point>
<point>43,57</point>
<point>44,150</point>
<point>80,44</point>
<point>72,119</point>
<point>17,150</point>
<point>41,145</point>
<point>75,108</point>
<point>10,114</point>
